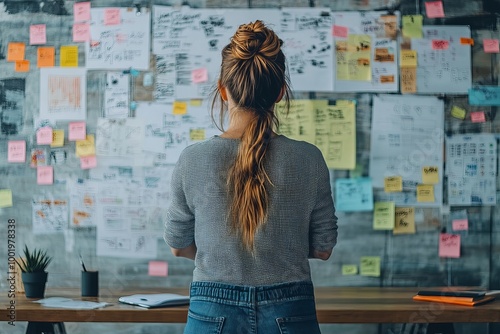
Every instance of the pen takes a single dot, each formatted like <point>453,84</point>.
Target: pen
<point>83,264</point>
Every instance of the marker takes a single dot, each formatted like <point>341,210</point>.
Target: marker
<point>83,264</point>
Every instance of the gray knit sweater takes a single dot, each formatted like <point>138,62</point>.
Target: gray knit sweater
<point>301,213</point>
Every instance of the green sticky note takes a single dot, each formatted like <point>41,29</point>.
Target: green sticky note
<point>412,26</point>
<point>349,269</point>
<point>458,112</point>
<point>370,266</point>
<point>383,215</point>
<point>5,198</point>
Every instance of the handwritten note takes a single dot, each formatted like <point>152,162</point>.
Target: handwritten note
<point>57,138</point>
<point>408,76</point>
<point>112,16</point>
<point>393,184</point>
<point>340,31</point>
<point>404,221</point>
<point>44,136</point>
<point>15,51</point>
<point>16,151</point>
<point>45,175</point>
<point>460,224</point>
<point>477,117</point>
<point>5,198</point>
<point>349,269</point>
<point>484,96</point>
<point>440,44</point>
<point>430,175</point>
<point>408,58</point>
<point>81,32</point>
<point>69,56</point>
<point>158,268</point>
<point>22,66</point>
<point>46,56</point>
<point>354,194</point>
<point>383,216</point>
<point>425,193</point>
<point>85,147</point>
<point>434,9</point>
<point>412,26</point>
<point>458,112</point>
<point>197,134</point>
<point>466,41</point>
<point>88,162</point>
<point>179,108</point>
<point>199,75</point>
<point>449,245</point>
<point>77,131</point>
<point>38,34</point>
<point>370,266</point>
<point>491,45</point>
<point>81,11</point>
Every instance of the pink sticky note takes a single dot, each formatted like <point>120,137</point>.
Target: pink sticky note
<point>16,151</point>
<point>88,162</point>
<point>491,46</point>
<point>340,31</point>
<point>44,175</point>
<point>449,245</point>
<point>81,32</point>
<point>460,224</point>
<point>477,117</point>
<point>44,136</point>
<point>38,34</point>
<point>81,11</point>
<point>434,9</point>
<point>112,16</point>
<point>158,268</point>
<point>440,44</point>
<point>77,131</point>
<point>199,75</point>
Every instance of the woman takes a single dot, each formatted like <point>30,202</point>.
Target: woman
<point>251,206</point>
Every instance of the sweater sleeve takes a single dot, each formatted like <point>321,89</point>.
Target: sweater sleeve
<point>323,225</point>
<point>179,224</point>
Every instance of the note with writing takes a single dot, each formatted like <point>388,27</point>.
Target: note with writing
<point>16,151</point>
<point>77,131</point>
<point>85,147</point>
<point>354,194</point>
<point>425,193</point>
<point>412,26</point>
<point>46,56</point>
<point>430,175</point>
<point>44,175</point>
<point>434,9</point>
<point>460,224</point>
<point>88,162</point>
<point>38,34</point>
<point>69,56</point>
<point>393,184</point>
<point>81,32</point>
<point>15,51</point>
<point>81,11</point>
<point>484,96</point>
<point>44,135</point>
<point>449,245</point>
<point>370,266</point>
<point>22,66</point>
<point>404,221</point>
<point>349,269</point>
<point>5,198</point>
<point>57,138</point>
<point>383,215</point>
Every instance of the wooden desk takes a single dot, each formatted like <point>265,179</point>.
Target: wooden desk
<point>334,305</point>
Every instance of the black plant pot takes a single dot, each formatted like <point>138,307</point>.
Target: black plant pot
<point>34,284</point>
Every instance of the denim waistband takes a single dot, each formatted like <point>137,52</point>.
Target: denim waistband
<point>252,294</point>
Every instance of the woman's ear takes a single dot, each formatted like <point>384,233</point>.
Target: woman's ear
<point>280,96</point>
<point>222,91</point>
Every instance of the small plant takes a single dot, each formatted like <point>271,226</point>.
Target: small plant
<point>34,262</point>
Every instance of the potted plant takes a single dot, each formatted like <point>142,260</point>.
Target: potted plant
<point>33,272</point>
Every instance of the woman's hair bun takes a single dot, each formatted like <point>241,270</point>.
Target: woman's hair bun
<point>255,39</point>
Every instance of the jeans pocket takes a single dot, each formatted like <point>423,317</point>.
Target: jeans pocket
<point>197,324</point>
<point>298,325</point>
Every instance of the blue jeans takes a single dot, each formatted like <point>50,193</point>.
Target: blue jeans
<point>217,308</point>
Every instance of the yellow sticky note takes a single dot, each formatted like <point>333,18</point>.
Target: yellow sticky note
<point>430,175</point>
<point>196,102</point>
<point>5,198</point>
<point>412,26</point>
<point>197,134</point>
<point>405,221</point>
<point>57,138</point>
<point>69,56</point>
<point>408,58</point>
<point>179,108</point>
<point>370,266</point>
<point>383,216</point>
<point>425,193</point>
<point>349,269</point>
<point>85,147</point>
<point>458,112</point>
<point>393,184</point>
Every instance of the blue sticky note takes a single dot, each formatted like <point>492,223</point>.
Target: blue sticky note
<point>484,96</point>
<point>354,194</point>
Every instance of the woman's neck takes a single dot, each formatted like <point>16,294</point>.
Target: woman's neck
<point>238,122</point>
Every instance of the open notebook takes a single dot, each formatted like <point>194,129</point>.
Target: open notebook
<point>154,300</point>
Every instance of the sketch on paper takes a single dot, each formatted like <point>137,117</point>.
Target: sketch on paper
<point>117,95</point>
<point>49,216</point>
<point>12,94</point>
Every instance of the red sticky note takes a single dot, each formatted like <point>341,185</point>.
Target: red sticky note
<point>440,44</point>
<point>199,75</point>
<point>16,151</point>
<point>449,245</point>
<point>44,175</point>
<point>81,11</point>
<point>460,224</point>
<point>44,136</point>
<point>477,117</point>
<point>81,32</point>
<point>77,131</point>
<point>491,45</point>
<point>112,16</point>
<point>434,9</point>
<point>158,268</point>
<point>88,162</point>
<point>38,34</point>
<point>340,31</point>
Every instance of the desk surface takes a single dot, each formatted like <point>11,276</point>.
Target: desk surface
<point>334,305</point>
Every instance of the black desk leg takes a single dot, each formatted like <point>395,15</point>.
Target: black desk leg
<point>440,328</point>
<point>35,327</point>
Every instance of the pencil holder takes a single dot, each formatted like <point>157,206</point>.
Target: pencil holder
<point>90,283</point>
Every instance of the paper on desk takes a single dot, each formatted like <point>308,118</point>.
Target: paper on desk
<point>70,303</point>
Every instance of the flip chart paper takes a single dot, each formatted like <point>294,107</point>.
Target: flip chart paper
<point>44,175</point>
<point>158,268</point>
<point>449,245</point>
<point>5,198</point>
<point>44,136</point>
<point>370,266</point>
<point>16,151</point>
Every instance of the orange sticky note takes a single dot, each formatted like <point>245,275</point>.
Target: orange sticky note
<point>434,9</point>
<point>199,75</point>
<point>15,51</point>
<point>460,224</point>
<point>38,34</point>
<point>81,32</point>
<point>46,56</point>
<point>440,44</point>
<point>88,162</point>
<point>81,11</point>
<point>340,31</point>
<point>158,268</point>
<point>44,175</point>
<point>112,16</point>
<point>77,131</point>
<point>491,45</point>
<point>22,66</point>
<point>449,245</point>
<point>179,108</point>
<point>16,151</point>
<point>466,41</point>
<point>69,56</point>
<point>477,117</point>
<point>44,136</point>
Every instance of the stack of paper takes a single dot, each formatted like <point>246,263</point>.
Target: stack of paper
<point>458,297</point>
